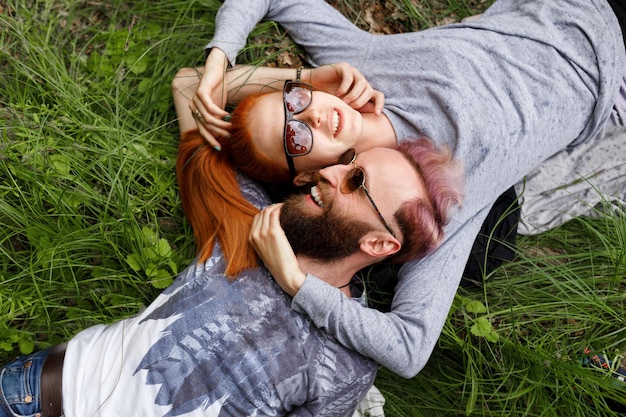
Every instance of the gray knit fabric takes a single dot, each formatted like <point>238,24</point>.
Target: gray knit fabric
<point>587,180</point>
<point>505,92</point>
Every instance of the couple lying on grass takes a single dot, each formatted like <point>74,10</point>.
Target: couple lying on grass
<point>378,144</point>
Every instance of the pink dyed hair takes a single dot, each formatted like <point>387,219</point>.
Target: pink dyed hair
<point>422,220</point>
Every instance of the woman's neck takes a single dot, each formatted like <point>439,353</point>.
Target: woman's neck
<point>377,131</point>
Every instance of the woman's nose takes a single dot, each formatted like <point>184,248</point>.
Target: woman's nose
<point>312,117</point>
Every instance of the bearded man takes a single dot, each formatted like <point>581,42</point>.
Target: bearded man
<point>214,346</point>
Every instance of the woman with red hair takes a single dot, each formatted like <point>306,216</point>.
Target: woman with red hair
<point>287,126</point>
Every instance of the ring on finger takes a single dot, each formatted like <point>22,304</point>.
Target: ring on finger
<point>197,115</point>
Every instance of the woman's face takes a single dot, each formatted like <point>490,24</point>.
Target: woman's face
<point>336,127</point>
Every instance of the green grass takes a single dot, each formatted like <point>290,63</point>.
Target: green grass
<point>563,293</point>
<point>91,227</point>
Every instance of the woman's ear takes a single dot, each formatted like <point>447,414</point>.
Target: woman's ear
<point>379,244</point>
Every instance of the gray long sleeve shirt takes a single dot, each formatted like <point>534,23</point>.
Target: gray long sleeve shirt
<point>505,92</point>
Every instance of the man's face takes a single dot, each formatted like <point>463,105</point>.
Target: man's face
<point>326,236</point>
<point>328,223</point>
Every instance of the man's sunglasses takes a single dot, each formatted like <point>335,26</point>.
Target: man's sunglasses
<point>354,180</point>
<point>298,137</point>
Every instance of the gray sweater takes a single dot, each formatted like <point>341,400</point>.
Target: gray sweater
<point>505,92</point>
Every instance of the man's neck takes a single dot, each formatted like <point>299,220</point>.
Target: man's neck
<point>336,273</point>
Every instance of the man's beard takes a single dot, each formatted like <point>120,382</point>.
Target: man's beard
<point>325,237</point>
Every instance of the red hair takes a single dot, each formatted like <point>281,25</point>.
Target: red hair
<point>240,146</point>
<point>210,193</point>
<point>213,203</point>
<point>422,220</point>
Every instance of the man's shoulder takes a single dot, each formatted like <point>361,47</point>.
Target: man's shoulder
<point>253,191</point>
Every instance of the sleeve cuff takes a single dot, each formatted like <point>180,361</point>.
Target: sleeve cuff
<point>315,298</point>
<point>231,55</point>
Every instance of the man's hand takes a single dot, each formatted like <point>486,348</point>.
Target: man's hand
<point>347,83</point>
<point>208,103</point>
<point>270,243</point>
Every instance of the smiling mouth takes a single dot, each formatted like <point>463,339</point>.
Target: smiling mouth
<point>315,194</point>
<point>336,120</point>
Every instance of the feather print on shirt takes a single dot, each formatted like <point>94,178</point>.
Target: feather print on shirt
<point>239,349</point>
<point>227,341</point>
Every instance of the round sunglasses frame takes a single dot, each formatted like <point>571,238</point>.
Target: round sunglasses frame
<point>288,142</point>
<point>355,180</point>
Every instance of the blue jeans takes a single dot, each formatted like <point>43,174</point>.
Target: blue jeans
<point>20,390</point>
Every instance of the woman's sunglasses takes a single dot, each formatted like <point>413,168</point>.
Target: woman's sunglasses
<point>298,137</point>
<point>355,180</point>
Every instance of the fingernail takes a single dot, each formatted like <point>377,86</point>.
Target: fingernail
<point>226,118</point>
<point>217,148</point>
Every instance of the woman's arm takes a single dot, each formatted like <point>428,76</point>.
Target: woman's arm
<point>216,86</point>
<point>209,89</point>
<point>324,33</point>
<point>403,339</point>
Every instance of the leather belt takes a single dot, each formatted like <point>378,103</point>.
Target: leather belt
<point>51,383</point>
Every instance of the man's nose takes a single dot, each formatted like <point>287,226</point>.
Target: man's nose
<point>334,174</point>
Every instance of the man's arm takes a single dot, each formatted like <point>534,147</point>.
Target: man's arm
<point>403,339</point>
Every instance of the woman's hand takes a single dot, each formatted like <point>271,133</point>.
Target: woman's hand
<point>270,243</point>
<point>208,103</point>
<point>347,82</point>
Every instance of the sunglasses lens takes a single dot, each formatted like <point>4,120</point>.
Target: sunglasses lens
<point>353,181</point>
<point>297,97</point>
<point>298,138</point>
<point>347,157</point>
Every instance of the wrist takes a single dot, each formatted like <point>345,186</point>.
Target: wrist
<point>295,282</point>
<point>307,75</point>
<point>216,57</point>
<point>304,74</point>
